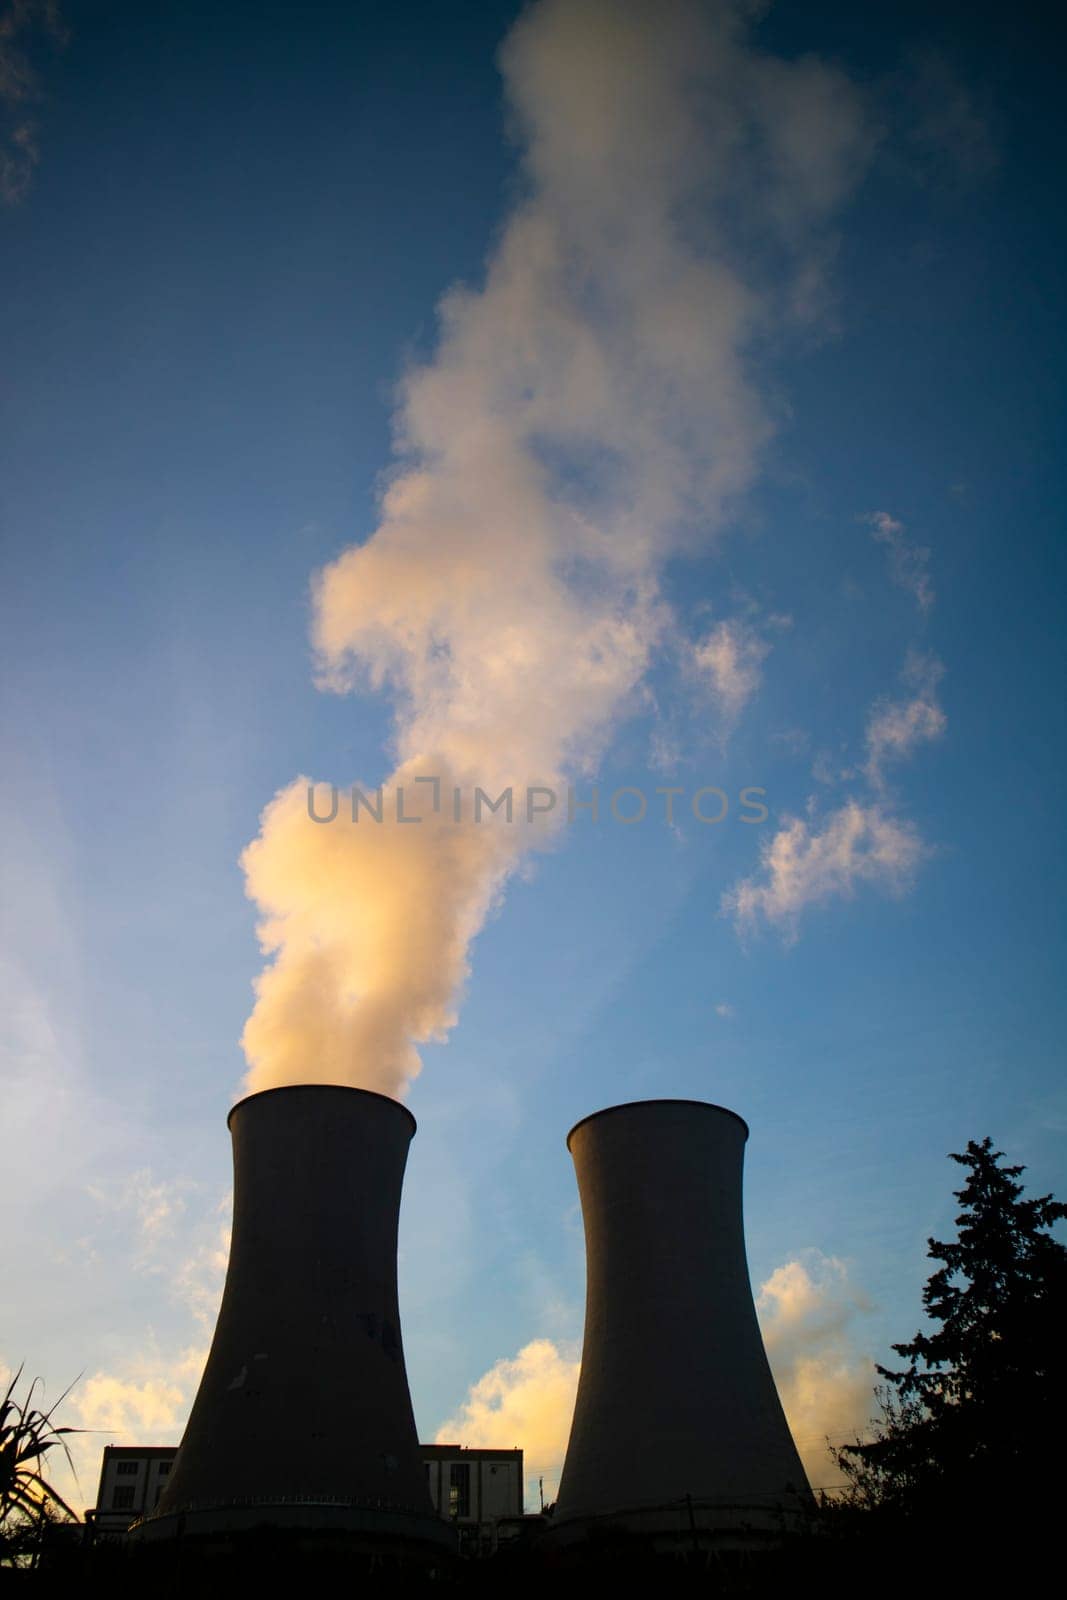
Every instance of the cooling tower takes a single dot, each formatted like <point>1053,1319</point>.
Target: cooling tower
<point>303,1418</point>
<point>678,1432</point>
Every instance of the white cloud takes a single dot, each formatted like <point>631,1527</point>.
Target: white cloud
<point>525,1400</point>
<point>807,1309</point>
<point>908,563</point>
<point>805,865</point>
<point>156,1208</point>
<point>730,661</point>
<point>723,1009</point>
<point>145,1405</point>
<point>145,1400</point>
<point>197,1280</point>
<point>896,727</point>
<point>809,862</point>
<point>186,1245</point>
<point>825,770</point>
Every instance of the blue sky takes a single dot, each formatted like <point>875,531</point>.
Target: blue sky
<point>228,252</point>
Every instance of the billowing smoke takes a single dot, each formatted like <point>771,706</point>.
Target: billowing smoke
<point>590,410</point>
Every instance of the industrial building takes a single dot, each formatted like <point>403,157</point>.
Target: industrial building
<point>132,1479</point>
<point>478,1491</point>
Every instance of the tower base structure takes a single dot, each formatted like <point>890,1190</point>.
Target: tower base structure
<point>679,1442</point>
<point>302,1430</point>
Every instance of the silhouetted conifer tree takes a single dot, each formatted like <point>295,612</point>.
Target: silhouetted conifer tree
<point>974,1423</point>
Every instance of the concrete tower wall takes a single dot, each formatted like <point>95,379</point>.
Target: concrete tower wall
<point>678,1424</point>
<point>303,1416</point>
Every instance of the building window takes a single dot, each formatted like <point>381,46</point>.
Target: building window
<point>459,1490</point>
<point>122,1499</point>
<point>128,1469</point>
<point>164,1468</point>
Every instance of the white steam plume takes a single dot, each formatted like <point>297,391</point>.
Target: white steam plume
<point>590,409</point>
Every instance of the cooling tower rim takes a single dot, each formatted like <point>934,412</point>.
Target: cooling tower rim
<point>321,1088</point>
<point>633,1105</point>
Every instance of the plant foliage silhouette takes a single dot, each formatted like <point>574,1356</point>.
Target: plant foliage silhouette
<point>968,1420</point>
<point>28,1501</point>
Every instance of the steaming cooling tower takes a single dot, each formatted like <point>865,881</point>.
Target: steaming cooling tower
<point>303,1418</point>
<point>678,1432</point>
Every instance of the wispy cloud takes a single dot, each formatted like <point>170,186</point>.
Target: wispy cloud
<point>949,126</point>
<point>144,1395</point>
<point>169,1236</point>
<point>908,563</point>
<point>22,24</point>
<point>812,860</point>
<point>805,865</point>
<point>155,1208</point>
<point>198,1276</point>
<point>897,727</point>
<point>729,660</point>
